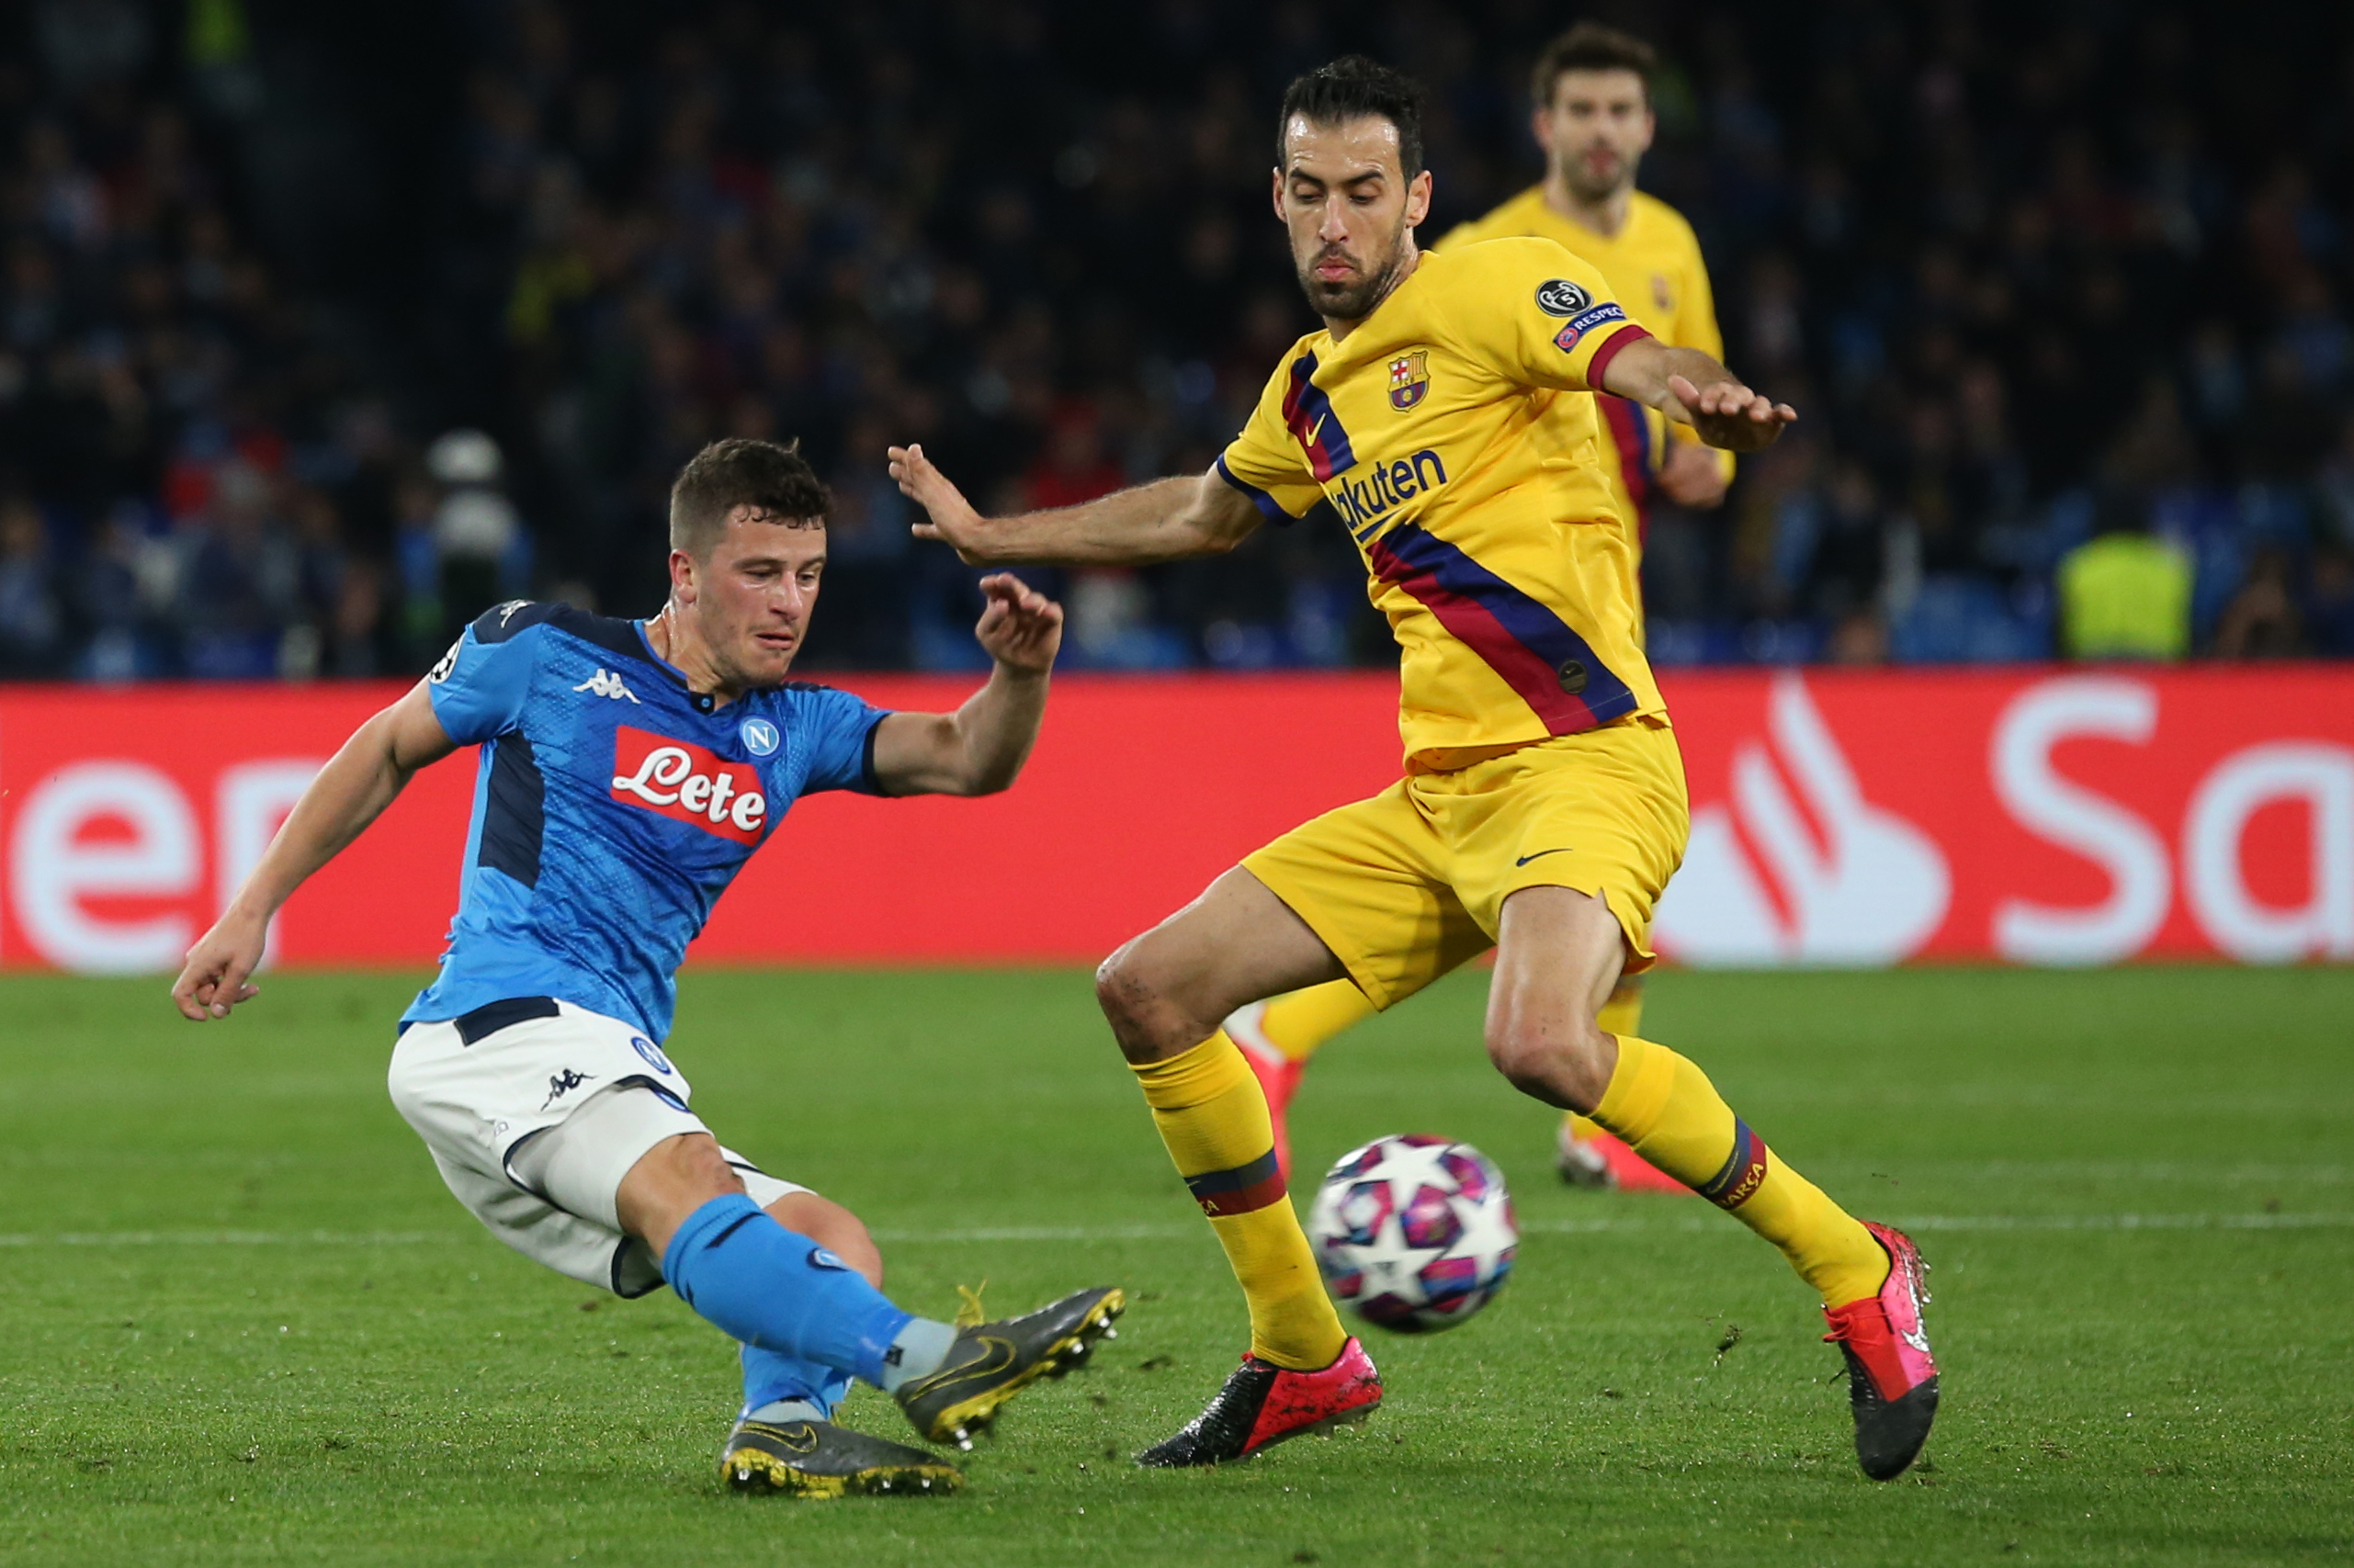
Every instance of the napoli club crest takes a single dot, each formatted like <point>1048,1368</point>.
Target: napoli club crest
<point>1410,378</point>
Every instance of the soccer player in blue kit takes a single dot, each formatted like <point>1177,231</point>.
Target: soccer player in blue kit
<point>628,771</point>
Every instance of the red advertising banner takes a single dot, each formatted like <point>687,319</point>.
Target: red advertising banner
<point>2038,816</point>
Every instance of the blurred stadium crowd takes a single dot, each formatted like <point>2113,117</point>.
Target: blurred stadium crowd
<point>317,334</point>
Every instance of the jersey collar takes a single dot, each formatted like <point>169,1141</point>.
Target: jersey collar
<point>701,702</point>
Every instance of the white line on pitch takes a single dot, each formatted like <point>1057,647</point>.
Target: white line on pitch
<point>1702,1221</point>
<point>225,1238</point>
<point>1693,1221</point>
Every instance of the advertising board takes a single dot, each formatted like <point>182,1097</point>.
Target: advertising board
<point>2036,816</point>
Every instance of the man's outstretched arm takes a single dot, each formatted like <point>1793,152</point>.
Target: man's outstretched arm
<point>981,747</point>
<point>350,792</point>
<point>1687,385</point>
<point>1167,520</point>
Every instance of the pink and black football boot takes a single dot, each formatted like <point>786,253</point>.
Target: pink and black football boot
<point>1891,1378</point>
<point>1277,1074</point>
<point>1263,1404</point>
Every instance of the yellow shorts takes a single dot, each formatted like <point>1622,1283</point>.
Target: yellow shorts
<point>1408,884</point>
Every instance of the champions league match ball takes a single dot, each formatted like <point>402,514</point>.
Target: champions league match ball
<point>1414,1233</point>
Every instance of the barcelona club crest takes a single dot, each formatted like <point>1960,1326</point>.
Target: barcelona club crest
<point>1410,378</point>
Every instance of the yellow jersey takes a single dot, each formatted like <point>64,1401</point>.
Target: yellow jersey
<point>1653,269</point>
<point>1449,433</point>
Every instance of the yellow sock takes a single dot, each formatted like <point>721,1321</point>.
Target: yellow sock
<point>1214,1119</point>
<point>1622,1016</point>
<point>1297,1024</point>
<point>1666,1108</point>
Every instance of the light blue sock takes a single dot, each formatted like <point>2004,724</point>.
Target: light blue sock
<point>917,1350</point>
<point>778,1411</point>
<point>771,1378</point>
<point>780,1292</point>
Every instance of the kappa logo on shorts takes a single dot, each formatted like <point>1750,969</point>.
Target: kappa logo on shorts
<point>651,1052</point>
<point>688,783</point>
<point>564,1083</point>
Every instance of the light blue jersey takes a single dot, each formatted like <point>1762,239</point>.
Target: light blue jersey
<point>611,806</point>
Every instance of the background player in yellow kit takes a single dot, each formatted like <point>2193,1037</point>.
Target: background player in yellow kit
<point>1441,418</point>
<point>1592,118</point>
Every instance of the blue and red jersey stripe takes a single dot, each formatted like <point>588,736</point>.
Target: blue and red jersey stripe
<point>1269,507</point>
<point>1630,434</point>
<point>1307,414</point>
<point>1536,652</point>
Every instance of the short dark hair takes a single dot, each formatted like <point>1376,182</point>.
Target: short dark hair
<point>776,482</point>
<point>1590,45</point>
<point>1349,88</point>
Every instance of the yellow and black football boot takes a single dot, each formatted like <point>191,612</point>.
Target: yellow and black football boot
<point>990,1362</point>
<point>818,1458</point>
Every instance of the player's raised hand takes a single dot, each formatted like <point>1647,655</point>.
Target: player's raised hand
<point>1729,415</point>
<point>1019,626</point>
<point>951,518</point>
<point>215,977</point>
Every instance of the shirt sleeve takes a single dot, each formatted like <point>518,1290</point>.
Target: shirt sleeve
<point>478,688</point>
<point>1265,462</point>
<point>841,740</point>
<point>1536,314</point>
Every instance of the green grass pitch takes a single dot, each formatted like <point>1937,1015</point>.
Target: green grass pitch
<point>244,1324</point>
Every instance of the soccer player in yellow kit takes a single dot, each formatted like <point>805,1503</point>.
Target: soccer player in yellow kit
<point>1543,805</point>
<point>1593,119</point>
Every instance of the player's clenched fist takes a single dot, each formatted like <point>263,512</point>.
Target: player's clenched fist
<point>1020,626</point>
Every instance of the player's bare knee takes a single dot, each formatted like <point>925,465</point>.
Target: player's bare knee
<point>1562,1064</point>
<point>1517,1053</point>
<point>668,1182</point>
<point>834,1228</point>
<point>1583,1062</point>
<point>1119,992</point>
<point>702,1163</point>
<point>857,1248</point>
<point>1137,1008</point>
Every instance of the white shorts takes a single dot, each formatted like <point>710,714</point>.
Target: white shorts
<point>489,1094</point>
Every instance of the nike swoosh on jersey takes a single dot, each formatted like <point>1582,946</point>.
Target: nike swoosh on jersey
<point>1540,854</point>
